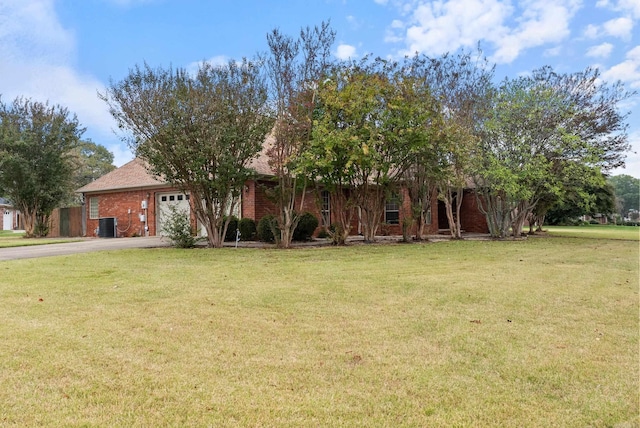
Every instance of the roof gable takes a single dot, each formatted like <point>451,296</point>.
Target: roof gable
<point>130,175</point>
<point>135,173</point>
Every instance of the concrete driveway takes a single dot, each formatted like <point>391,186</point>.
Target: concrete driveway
<point>84,246</point>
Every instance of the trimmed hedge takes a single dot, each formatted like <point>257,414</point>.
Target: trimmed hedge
<point>247,227</point>
<point>306,226</point>
<point>266,227</point>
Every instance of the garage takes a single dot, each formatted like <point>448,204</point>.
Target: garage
<point>166,200</point>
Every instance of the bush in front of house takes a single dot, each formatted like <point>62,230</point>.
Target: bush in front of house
<point>177,228</point>
<point>231,229</point>
<point>306,226</point>
<point>267,226</point>
<point>247,227</point>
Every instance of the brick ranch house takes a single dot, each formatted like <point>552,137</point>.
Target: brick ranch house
<point>129,201</point>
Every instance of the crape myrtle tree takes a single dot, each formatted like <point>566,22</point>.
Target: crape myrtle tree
<point>199,132</point>
<point>364,125</point>
<point>36,161</point>
<point>591,196</point>
<point>462,86</point>
<point>581,189</point>
<point>295,66</point>
<point>545,129</point>
<point>422,169</point>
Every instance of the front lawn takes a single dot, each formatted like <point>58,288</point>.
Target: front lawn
<point>539,332</point>
<point>9,238</point>
<point>596,231</point>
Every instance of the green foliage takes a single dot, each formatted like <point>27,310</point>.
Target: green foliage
<point>230,236</point>
<point>306,226</point>
<point>296,68</point>
<point>178,229</point>
<point>199,132</point>
<point>267,228</point>
<point>36,162</point>
<point>627,191</point>
<point>92,162</point>
<point>248,230</point>
<point>549,134</point>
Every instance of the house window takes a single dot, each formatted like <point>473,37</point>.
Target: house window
<point>392,211</point>
<point>326,208</point>
<point>93,208</point>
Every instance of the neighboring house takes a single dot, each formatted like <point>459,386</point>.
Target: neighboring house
<point>11,218</point>
<point>129,201</point>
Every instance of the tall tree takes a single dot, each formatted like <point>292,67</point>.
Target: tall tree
<point>462,85</point>
<point>36,161</point>
<point>199,132</point>
<point>365,125</point>
<point>546,127</point>
<point>93,160</point>
<point>295,67</point>
<point>627,190</point>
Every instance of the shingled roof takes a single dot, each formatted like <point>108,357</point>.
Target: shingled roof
<point>135,174</point>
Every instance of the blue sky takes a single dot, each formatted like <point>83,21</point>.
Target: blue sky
<point>66,51</point>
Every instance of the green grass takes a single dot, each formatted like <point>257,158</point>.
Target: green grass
<point>11,239</point>
<point>541,332</point>
<point>596,232</point>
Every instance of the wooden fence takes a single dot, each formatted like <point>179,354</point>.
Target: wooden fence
<point>65,222</point>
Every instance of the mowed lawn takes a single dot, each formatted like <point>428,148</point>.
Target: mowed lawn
<point>540,332</point>
<point>596,231</point>
<point>13,239</point>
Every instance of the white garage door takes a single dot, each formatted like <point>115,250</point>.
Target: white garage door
<point>7,220</point>
<point>164,201</point>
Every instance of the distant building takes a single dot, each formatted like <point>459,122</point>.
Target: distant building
<point>11,218</point>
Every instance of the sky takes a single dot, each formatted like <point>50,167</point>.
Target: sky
<point>68,51</point>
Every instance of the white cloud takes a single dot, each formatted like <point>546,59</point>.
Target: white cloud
<point>344,52</point>
<point>440,26</point>
<point>551,52</point>
<point>37,62</point>
<point>592,31</point>
<point>627,71</point>
<point>631,7</point>
<point>619,27</point>
<point>600,51</point>
<point>215,61</point>
<point>541,22</point>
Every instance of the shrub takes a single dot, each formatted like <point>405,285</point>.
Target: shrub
<point>267,226</point>
<point>306,226</point>
<point>177,228</point>
<point>592,221</point>
<point>323,234</point>
<point>247,227</point>
<point>231,230</point>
